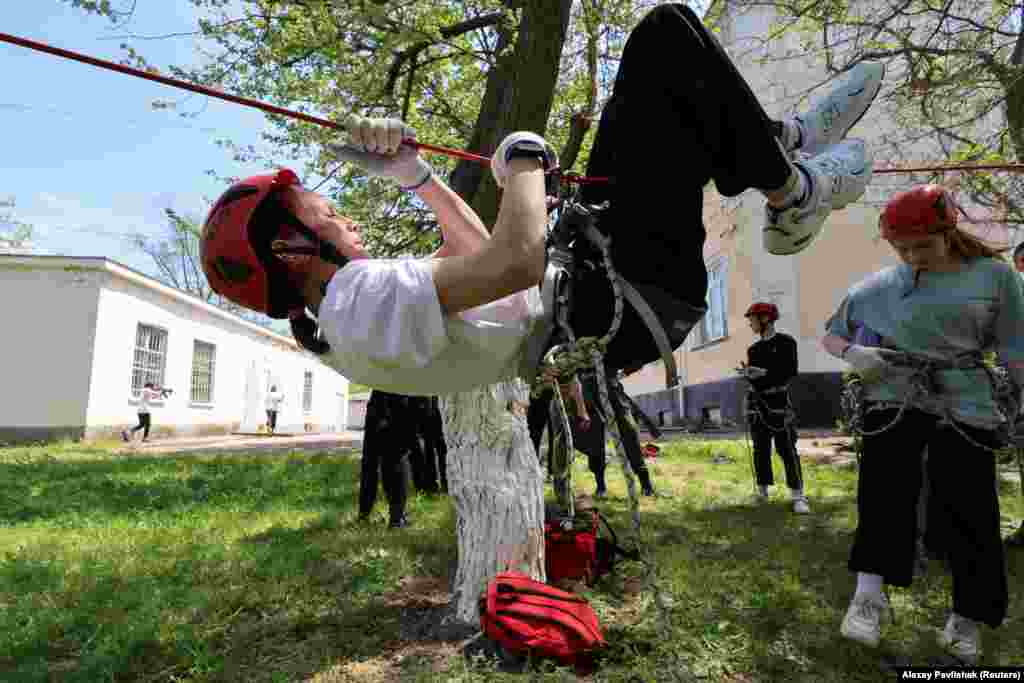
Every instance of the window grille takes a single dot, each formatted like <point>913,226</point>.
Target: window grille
<point>150,357</point>
<point>307,392</point>
<point>203,355</point>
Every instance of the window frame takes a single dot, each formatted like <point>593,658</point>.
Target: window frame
<point>212,370</point>
<point>705,332</point>
<point>307,392</point>
<point>142,370</point>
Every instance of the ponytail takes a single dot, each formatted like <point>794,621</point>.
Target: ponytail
<point>968,247</point>
<point>306,331</point>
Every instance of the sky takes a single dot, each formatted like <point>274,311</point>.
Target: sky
<point>85,156</point>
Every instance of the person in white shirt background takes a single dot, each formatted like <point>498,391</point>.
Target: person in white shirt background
<point>273,405</point>
<point>149,393</point>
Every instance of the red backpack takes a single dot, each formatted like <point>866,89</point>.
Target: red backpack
<point>529,617</point>
<point>580,552</point>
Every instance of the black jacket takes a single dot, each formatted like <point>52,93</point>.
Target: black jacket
<point>776,355</point>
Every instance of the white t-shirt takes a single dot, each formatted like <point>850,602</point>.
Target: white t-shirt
<point>145,397</point>
<point>274,399</point>
<point>384,323</point>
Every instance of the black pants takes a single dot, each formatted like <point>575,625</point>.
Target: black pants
<point>591,442</point>
<point>435,449</point>
<point>766,427</point>
<point>143,425</point>
<point>428,453</point>
<point>962,479</point>
<point>679,116</point>
<point>272,419</point>
<point>386,445</point>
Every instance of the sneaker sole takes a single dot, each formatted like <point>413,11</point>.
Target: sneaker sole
<point>857,637</point>
<point>871,101</point>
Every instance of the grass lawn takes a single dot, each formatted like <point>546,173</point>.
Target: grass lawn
<point>249,567</point>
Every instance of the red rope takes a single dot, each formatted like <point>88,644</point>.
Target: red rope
<point>458,154</point>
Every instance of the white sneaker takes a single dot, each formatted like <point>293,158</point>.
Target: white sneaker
<point>962,639</point>
<point>863,619</point>
<point>838,176</point>
<point>800,506</point>
<point>828,121</point>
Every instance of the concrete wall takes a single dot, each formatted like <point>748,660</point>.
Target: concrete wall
<point>45,358</point>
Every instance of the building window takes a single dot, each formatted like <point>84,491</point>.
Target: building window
<point>714,325</point>
<point>307,392</point>
<point>150,357</point>
<point>202,371</point>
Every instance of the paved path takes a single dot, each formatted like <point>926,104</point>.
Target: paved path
<point>247,442</point>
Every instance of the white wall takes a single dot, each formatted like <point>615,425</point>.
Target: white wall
<point>50,315</point>
<point>241,354</point>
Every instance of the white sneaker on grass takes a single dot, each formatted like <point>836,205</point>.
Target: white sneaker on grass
<point>863,620</point>
<point>837,176</point>
<point>830,119</point>
<point>800,506</point>
<point>962,639</point>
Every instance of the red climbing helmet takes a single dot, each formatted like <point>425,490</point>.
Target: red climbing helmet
<point>763,308</point>
<point>922,210</point>
<point>236,256</point>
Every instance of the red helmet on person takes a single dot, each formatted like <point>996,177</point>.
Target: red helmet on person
<point>922,210</point>
<point>236,254</point>
<point>771,311</point>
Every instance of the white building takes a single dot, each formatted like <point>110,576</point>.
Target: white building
<point>84,335</point>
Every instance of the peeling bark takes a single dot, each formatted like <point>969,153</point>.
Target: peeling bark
<point>497,486</point>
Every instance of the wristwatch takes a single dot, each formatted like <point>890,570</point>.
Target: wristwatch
<point>526,153</point>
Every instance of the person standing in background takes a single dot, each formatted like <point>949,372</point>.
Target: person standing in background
<point>273,405</point>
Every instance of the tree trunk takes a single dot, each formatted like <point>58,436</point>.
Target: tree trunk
<point>496,483</point>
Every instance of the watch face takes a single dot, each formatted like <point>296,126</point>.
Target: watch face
<point>520,153</point>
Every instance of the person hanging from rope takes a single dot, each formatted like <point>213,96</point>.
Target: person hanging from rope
<point>460,319</point>
<point>771,366</point>
<point>589,431</point>
<point>924,384</point>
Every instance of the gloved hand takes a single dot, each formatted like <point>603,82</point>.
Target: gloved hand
<point>525,140</point>
<point>870,362</point>
<point>375,145</point>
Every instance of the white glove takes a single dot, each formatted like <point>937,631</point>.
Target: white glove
<point>870,362</point>
<point>375,145</point>
<point>525,140</point>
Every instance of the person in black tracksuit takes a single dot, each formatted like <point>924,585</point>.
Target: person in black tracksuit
<point>428,457</point>
<point>771,366</point>
<point>387,443</point>
<point>589,432</point>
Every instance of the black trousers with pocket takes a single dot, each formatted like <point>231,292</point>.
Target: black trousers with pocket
<point>962,480</point>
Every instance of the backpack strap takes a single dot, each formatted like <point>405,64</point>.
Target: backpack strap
<point>614,542</point>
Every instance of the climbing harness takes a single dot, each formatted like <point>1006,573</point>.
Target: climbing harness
<point>562,355</point>
<point>924,383</point>
<point>757,409</point>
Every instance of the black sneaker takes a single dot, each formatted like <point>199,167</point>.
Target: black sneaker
<point>124,436</point>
